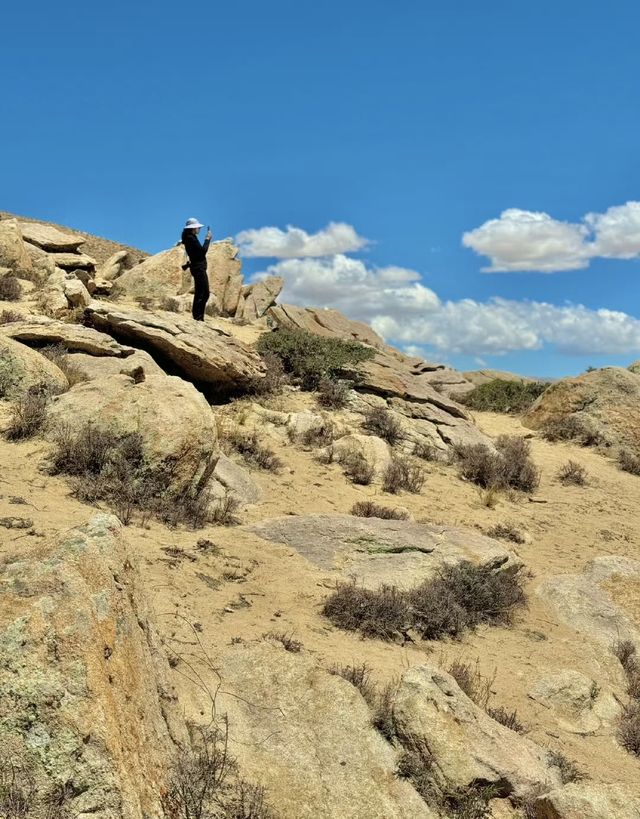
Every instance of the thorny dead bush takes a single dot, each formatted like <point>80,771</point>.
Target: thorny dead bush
<point>10,288</point>
<point>287,641</point>
<point>356,467</point>
<point>474,684</point>
<point>248,445</point>
<point>310,358</point>
<point>403,473</point>
<point>459,598</point>
<point>379,421</point>
<point>629,727</point>
<point>22,796</point>
<point>10,316</point>
<point>333,394</point>
<point>572,428</point>
<point>170,304</point>
<point>383,719</point>
<point>223,510</point>
<point>629,462</point>
<point>507,718</point>
<point>427,452</point>
<point>506,531</point>
<point>629,721</point>
<point>568,770</point>
<point>510,466</point>
<point>504,396</point>
<point>205,782</point>
<point>323,434</point>
<point>107,464</point>
<point>369,509</point>
<point>572,474</point>
<point>28,413</point>
<point>360,677</point>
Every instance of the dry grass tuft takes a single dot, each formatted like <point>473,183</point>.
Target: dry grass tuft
<point>286,640</point>
<point>379,421</point>
<point>403,473</point>
<point>506,531</point>
<point>356,467</point>
<point>10,288</point>
<point>28,413</point>
<point>628,462</point>
<point>248,445</point>
<point>360,677</point>
<point>369,509</point>
<point>572,474</point>
<point>474,684</point>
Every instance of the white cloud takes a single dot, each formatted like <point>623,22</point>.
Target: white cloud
<point>526,240</point>
<point>403,310</point>
<point>272,242</point>
<point>617,232</point>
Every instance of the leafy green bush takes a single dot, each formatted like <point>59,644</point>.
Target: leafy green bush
<point>310,358</point>
<point>504,396</point>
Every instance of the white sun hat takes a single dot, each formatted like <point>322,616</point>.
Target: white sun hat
<point>193,223</point>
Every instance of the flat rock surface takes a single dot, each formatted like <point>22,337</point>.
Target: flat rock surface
<point>40,331</point>
<point>21,368</point>
<point>49,237</point>
<point>194,350</point>
<point>379,551</point>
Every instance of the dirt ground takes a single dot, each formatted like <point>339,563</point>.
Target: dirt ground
<point>239,587</point>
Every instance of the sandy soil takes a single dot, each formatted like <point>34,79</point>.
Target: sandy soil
<point>240,587</point>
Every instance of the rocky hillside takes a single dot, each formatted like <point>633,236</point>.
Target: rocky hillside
<point>266,566</point>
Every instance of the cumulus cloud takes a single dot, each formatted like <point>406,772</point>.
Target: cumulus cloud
<point>272,242</point>
<point>522,240</point>
<point>403,310</point>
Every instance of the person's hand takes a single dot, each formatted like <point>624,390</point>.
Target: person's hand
<point>208,236</point>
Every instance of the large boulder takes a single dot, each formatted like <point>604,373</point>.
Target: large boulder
<point>586,601</point>
<point>13,250</point>
<point>50,238</point>
<point>42,264</point>
<point>605,403</point>
<point>587,800</point>
<point>378,551</point>
<point>374,450</point>
<point>73,261</point>
<point>167,411</point>
<point>92,366</point>
<point>260,297</point>
<point>580,705</point>
<point>40,331</point>
<point>22,367</point>
<point>114,266</point>
<point>224,270</point>
<point>157,277</point>
<point>194,350</point>
<point>306,736</point>
<point>86,709</point>
<point>324,322</point>
<point>467,746</point>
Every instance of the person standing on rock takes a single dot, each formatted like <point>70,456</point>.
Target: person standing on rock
<point>197,263</point>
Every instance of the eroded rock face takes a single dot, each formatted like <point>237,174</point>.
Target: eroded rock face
<point>585,603</point>
<point>157,277</point>
<point>194,350</point>
<point>605,402</point>
<point>22,367</point>
<point>224,270</point>
<point>317,754</point>
<point>50,238</point>
<point>13,250</point>
<point>92,366</point>
<point>259,298</point>
<point>40,331</point>
<point>327,323</point>
<point>580,705</point>
<point>378,551</point>
<point>84,696</point>
<point>466,744</point>
<point>588,800</point>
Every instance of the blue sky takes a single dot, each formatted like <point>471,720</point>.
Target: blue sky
<point>415,123</point>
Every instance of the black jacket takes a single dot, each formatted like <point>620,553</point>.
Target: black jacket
<point>196,252</point>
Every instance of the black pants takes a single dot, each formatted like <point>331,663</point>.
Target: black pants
<point>201,291</point>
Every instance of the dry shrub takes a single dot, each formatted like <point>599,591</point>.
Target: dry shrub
<point>205,781</point>
<point>379,421</point>
<point>28,413</point>
<point>356,467</point>
<point>569,771</point>
<point>369,509</point>
<point>323,434</point>
<point>223,511</point>
<point>426,451</point>
<point>625,651</point>
<point>287,641</point>
<point>629,462</point>
<point>212,309</point>
<point>629,727</point>
<point>474,684</point>
<point>510,466</point>
<point>23,794</point>
<point>10,316</point>
<point>572,428</point>
<point>460,597</point>
<point>10,288</point>
<point>274,378</point>
<point>360,677</point>
<point>629,722</point>
<point>333,394</point>
<point>382,613</point>
<point>506,531</point>
<point>415,764</point>
<point>58,355</point>
<point>572,474</point>
<point>248,445</point>
<point>402,473</point>
<point>107,464</point>
<point>383,719</point>
<point>507,718</point>
<point>170,304</point>
<point>145,302</point>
